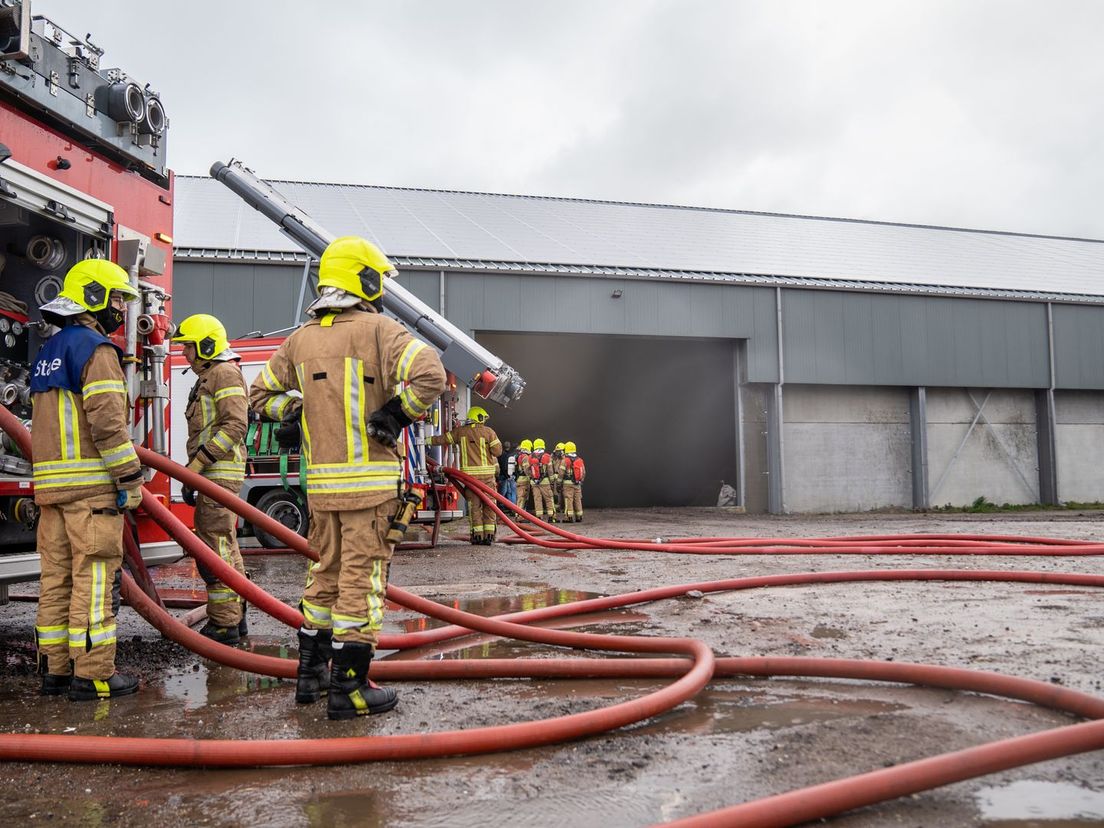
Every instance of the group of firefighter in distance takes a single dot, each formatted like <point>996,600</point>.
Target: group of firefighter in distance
<point>549,485</point>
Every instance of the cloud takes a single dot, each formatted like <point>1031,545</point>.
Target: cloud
<point>981,114</point>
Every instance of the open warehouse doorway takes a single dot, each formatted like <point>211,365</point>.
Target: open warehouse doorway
<point>654,418</point>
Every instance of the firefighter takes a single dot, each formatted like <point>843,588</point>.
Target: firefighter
<point>86,473</point>
<point>348,364</point>
<point>479,448</point>
<point>521,473</point>
<point>557,480</point>
<point>574,474</point>
<point>540,475</point>
<point>218,416</point>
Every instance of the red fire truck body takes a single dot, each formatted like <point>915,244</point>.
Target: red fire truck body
<point>82,175</point>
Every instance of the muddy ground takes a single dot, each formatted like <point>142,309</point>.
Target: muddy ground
<point>739,740</point>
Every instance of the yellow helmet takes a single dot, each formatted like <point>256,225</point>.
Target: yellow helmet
<point>88,286</point>
<point>478,414</point>
<point>569,447</point>
<point>206,333</point>
<point>559,447</point>
<point>356,266</point>
<point>525,445</point>
<point>538,444</point>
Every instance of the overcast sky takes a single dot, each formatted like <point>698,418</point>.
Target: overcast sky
<point>972,113</point>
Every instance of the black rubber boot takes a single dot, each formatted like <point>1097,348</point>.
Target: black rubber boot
<point>313,679</point>
<point>351,693</point>
<point>223,635</point>
<point>54,685</point>
<point>243,625</point>
<point>82,689</point>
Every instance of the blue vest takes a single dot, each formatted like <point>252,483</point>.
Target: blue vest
<point>61,360</point>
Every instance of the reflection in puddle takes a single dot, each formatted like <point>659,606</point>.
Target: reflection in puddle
<point>611,622</point>
<point>498,605</point>
<point>1032,802</point>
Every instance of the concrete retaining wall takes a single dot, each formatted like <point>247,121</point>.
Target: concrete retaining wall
<point>1079,435</point>
<point>846,448</point>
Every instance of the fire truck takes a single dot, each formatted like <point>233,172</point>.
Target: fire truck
<point>82,174</point>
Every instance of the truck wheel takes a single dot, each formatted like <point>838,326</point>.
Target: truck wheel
<point>284,508</point>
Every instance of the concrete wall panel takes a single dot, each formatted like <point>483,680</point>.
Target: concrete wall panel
<point>847,449</point>
<point>1079,435</point>
<point>998,461</point>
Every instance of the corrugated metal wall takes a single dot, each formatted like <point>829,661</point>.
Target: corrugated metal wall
<point>245,297</point>
<point>839,338</point>
<point>1079,346</point>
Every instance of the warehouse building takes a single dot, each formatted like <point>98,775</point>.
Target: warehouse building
<point>814,364</point>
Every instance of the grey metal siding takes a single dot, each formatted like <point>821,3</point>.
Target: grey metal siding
<point>841,338</point>
<point>481,302</point>
<point>245,297</point>
<point>1078,347</point>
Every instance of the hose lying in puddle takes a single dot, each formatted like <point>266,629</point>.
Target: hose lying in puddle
<point>796,806</point>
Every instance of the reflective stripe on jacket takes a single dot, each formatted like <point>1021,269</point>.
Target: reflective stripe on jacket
<point>81,440</point>
<point>347,365</point>
<point>479,446</point>
<point>218,416</point>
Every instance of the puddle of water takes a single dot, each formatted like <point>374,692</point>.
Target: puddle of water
<point>615,622</point>
<point>1033,802</point>
<point>740,711</point>
<point>497,605</point>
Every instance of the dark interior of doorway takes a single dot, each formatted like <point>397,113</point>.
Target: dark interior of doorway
<point>654,418</point>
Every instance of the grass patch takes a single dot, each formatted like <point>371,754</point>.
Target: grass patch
<point>983,505</point>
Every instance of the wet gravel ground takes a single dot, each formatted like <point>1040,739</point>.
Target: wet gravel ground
<point>739,740</point>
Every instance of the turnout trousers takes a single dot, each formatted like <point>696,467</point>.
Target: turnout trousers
<point>81,547</point>
<point>543,505</point>
<point>217,527</point>
<point>345,588</point>
<point>523,500</point>
<point>481,518</point>
<point>573,500</point>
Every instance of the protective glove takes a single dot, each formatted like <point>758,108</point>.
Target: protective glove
<point>129,499</point>
<point>196,465</point>
<point>289,435</point>
<point>188,496</point>
<point>386,423</point>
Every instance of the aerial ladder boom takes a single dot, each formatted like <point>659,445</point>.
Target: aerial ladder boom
<point>473,364</point>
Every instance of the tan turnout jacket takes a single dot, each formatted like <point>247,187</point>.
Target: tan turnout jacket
<point>346,365</point>
<point>218,416</point>
<point>479,446</point>
<point>81,442</point>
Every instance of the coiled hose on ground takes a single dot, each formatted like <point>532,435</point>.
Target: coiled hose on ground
<point>689,674</point>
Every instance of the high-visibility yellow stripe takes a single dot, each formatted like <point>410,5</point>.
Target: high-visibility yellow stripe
<point>406,360</point>
<point>120,455</point>
<point>103,387</point>
<point>411,404</point>
<point>268,379</point>
<point>226,393</point>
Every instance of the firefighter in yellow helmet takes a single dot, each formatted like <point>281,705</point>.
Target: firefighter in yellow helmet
<point>86,473</point>
<point>540,475</point>
<point>362,378</point>
<point>479,449</point>
<point>218,416</point>
<point>574,472</point>
<point>521,473</point>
